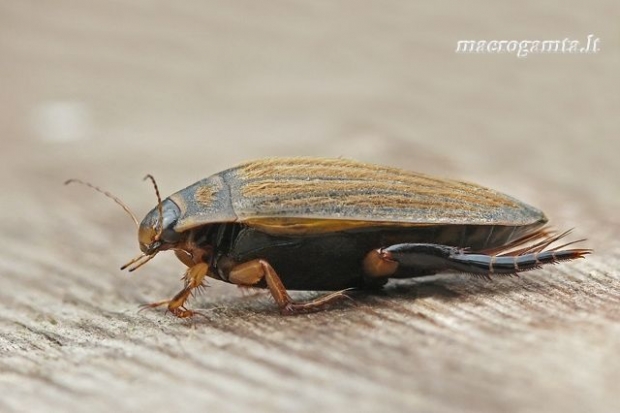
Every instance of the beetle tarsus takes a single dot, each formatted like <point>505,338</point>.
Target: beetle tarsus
<point>318,304</point>
<point>175,306</point>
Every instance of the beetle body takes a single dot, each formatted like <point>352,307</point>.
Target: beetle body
<point>332,224</point>
<point>334,260</point>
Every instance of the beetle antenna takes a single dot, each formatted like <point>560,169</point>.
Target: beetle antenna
<point>109,195</point>
<point>160,209</point>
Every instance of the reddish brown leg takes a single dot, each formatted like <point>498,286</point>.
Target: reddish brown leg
<point>194,278</point>
<point>251,272</point>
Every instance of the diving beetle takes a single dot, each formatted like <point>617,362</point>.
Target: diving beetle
<point>337,224</point>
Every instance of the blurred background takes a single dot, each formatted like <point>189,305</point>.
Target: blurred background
<point>110,91</point>
<point>184,90</point>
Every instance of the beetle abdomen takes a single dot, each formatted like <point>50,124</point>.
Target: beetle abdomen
<point>334,261</point>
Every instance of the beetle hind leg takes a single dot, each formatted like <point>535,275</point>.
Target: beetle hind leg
<point>384,262</point>
<point>252,272</point>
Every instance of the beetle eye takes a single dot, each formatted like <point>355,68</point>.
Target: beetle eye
<point>170,236</point>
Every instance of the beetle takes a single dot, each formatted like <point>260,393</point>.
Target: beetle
<point>336,224</point>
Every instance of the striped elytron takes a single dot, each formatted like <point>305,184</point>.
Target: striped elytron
<point>334,224</point>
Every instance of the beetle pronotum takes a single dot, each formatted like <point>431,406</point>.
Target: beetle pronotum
<point>335,224</point>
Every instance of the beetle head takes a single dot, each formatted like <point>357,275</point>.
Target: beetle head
<point>156,232</point>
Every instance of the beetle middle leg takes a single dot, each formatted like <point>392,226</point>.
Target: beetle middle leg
<point>384,262</point>
<point>252,272</point>
<point>194,278</point>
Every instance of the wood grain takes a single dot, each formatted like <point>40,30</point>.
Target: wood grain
<point>109,92</point>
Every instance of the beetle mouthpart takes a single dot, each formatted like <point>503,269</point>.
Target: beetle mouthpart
<point>139,261</point>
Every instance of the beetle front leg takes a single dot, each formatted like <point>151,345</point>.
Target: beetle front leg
<point>252,272</point>
<point>194,278</point>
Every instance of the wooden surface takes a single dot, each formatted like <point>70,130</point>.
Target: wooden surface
<point>108,92</point>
